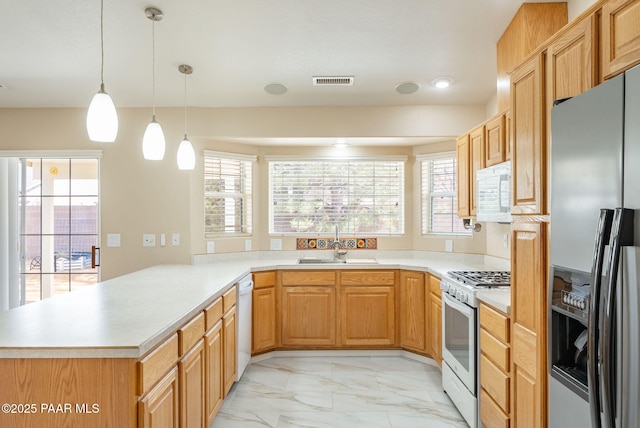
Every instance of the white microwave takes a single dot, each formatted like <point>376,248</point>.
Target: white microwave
<point>493,193</point>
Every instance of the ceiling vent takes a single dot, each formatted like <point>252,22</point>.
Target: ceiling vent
<point>333,80</point>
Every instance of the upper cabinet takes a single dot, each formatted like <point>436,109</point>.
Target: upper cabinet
<point>495,149</point>
<point>462,157</point>
<point>620,36</point>
<point>476,141</point>
<point>529,148</point>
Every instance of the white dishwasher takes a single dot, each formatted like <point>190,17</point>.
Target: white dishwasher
<point>245,287</point>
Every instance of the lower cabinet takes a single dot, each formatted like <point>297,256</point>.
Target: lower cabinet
<point>263,320</point>
<point>213,371</point>
<point>192,389</point>
<point>413,311</point>
<point>495,367</point>
<point>367,315</point>
<point>230,367</point>
<point>309,316</point>
<point>160,407</point>
<point>435,319</point>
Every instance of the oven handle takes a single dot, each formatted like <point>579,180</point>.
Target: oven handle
<point>455,304</point>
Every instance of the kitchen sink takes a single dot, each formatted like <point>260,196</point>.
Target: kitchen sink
<point>313,261</point>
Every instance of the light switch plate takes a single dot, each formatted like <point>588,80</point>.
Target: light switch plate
<point>163,239</point>
<point>149,240</point>
<point>448,245</point>
<point>210,247</point>
<point>113,239</point>
<point>247,244</point>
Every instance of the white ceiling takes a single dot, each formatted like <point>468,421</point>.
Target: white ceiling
<point>50,51</point>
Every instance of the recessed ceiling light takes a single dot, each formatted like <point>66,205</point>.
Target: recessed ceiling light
<point>442,82</point>
<point>275,89</point>
<point>407,88</point>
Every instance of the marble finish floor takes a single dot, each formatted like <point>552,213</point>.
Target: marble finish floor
<point>339,391</point>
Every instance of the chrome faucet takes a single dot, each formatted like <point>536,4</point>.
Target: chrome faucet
<point>339,250</point>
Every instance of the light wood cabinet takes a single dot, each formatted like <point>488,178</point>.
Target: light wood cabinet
<point>367,315</point>
<point>435,318</point>
<point>495,367</point>
<point>463,156</point>
<point>413,311</point>
<point>495,150</point>
<point>309,316</point>
<point>213,370</point>
<point>230,349</point>
<point>160,407</point>
<point>264,318</point>
<point>529,162</point>
<point>191,368</point>
<point>529,324</point>
<point>476,146</point>
<point>572,66</point>
<point>620,36</point>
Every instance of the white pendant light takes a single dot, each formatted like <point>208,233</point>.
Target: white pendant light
<point>102,118</point>
<point>186,155</point>
<point>153,141</point>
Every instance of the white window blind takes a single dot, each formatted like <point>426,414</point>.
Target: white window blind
<point>227,194</point>
<point>439,196</point>
<point>359,196</point>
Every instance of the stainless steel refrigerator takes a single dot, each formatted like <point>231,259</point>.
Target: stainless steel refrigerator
<point>594,303</point>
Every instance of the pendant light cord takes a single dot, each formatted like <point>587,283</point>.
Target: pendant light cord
<point>185,106</point>
<point>101,46</point>
<point>153,66</point>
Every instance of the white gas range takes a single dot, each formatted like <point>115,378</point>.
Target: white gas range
<point>460,331</point>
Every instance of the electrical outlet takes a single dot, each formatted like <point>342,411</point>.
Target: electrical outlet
<point>149,240</point>
<point>247,244</point>
<point>448,245</point>
<point>210,247</point>
<point>113,239</point>
<point>175,239</point>
<point>505,240</point>
<point>276,244</point>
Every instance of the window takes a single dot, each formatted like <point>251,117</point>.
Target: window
<point>227,194</point>
<point>439,201</point>
<point>359,196</point>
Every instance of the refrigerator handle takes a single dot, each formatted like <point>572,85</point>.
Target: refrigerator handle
<point>602,239</point>
<point>621,236</point>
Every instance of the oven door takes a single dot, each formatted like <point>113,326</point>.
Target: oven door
<point>459,340</point>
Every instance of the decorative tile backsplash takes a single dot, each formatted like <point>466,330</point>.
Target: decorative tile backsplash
<point>325,244</point>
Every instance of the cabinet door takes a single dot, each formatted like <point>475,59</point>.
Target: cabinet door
<point>309,316</point>
<point>476,141</point>
<point>435,311</point>
<point>160,407</point>
<point>463,154</point>
<point>620,36</point>
<point>263,320</point>
<point>529,324</point>
<point>230,345</point>
<point>213,370</point>
<point>495,151</point>
<point>367,315</point>
<point>529,149</point>
<point>571,63</point>
<point>413,310</point>
<point>192,393</point>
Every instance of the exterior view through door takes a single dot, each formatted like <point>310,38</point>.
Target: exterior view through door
<point>59,225</point>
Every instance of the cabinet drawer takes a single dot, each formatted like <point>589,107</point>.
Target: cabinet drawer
<point>213,313</point>
<point>308,278</point>
<point>368,278</point>
<point>495,382</point>
<point>264,280</point>
<point>495,350</point>
<point>229,299</point>
<point>189,334</point>
<point>157,363</point>
<point>490,413</point>
<point>494,322</point>
<point>434,285</point>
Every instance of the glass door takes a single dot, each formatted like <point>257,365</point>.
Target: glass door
<point>458,341</point>
<point>59,225</point>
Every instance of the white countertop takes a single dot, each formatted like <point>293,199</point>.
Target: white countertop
<point>127,316</point>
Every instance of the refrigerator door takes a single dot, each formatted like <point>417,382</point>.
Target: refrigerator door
<point>629,300</point>
<point>586,170</point>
